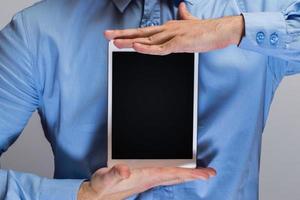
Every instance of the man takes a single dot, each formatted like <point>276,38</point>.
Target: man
<point>53,58</point>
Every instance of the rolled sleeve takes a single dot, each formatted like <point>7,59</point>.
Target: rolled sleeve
<point>53,189</point>
<point>17,185</point>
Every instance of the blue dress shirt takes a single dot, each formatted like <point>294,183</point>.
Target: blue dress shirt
<point>53,59</point>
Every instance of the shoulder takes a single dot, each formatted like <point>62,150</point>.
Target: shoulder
<point>264,5</point>
<point>48,13</point>
<point>205,9</point>
<point>55,19</point>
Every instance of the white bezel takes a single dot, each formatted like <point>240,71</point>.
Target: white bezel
<point>187,163</point>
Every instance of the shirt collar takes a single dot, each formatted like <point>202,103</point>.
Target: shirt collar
<point>121,4</point>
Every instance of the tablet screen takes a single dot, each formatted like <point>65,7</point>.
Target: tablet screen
<point>152,106</point>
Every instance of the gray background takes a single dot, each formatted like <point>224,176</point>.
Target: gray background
<point>280,164</point>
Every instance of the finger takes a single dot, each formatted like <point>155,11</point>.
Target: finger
<point>212,172</point>
<point>105,178</point>
<point>188,174</point>
<point>209,171</point>
<point>120,171</point>
<point>143,179</point>
<point>159,38</point>
<point>170,176</point>
<point>184,13</point>
<point>161,49</point>
<point>132,33</point>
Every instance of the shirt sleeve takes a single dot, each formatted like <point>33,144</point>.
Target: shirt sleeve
<point>276,34</point>
<point>19,98</point>
<point>15,185</point>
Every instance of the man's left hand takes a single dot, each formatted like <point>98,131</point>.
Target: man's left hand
<point>187,35</point>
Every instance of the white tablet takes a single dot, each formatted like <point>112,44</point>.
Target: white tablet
<point>152,109</point>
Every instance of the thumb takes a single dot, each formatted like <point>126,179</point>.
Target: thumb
<point>184,13</point>
<point>117,173</point>
<point>105,177</point>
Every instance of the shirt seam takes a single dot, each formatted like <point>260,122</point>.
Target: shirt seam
<point>286,69</point>
<point>241,5</point>
<point>33,60</point>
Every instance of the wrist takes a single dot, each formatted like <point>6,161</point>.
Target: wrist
<point>234,26</point>
<point>238,29</point>
<point>86,192</point>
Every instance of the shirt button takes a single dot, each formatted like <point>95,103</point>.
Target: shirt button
<point>156,23</point>
<point>149,23</point>
<point>152,23</point>
<point>274,39</point>
<point>260,37</point>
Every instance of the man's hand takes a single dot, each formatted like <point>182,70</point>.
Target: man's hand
<point>120,182</point>
<point>187,35</point>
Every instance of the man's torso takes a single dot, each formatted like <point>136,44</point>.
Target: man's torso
<point>235,91</point>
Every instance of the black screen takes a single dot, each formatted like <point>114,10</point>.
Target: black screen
<point>152,106</point>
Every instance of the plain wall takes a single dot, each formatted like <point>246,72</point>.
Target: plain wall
<point>280,163</point>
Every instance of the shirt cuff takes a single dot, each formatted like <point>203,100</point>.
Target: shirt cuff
<point>264,30</point>
<point>54,189</point>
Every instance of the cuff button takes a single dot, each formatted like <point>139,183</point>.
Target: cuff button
<point>274,39</point>
<point>260,37</point>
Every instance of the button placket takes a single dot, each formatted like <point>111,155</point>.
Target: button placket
<point>151,14</point>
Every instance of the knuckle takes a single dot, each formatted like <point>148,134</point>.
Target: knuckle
<point>159,170</point>
<point>171,22</point>
<point>206,176</point>
<point>115,171</point>
<point>180,179</point>
<point>179,38</point>
<point>120,32</point>
<point>146,172</point>
<point>162,48</point>
<point>150,39</point>
<point>117,32</point>
<point>168,25</point>
<point>140,31</point>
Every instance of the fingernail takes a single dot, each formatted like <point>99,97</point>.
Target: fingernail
<point>213,172</point>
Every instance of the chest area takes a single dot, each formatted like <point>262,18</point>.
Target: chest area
<point>78,78</point>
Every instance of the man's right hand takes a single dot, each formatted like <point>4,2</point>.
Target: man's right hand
<point>119,182</point>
